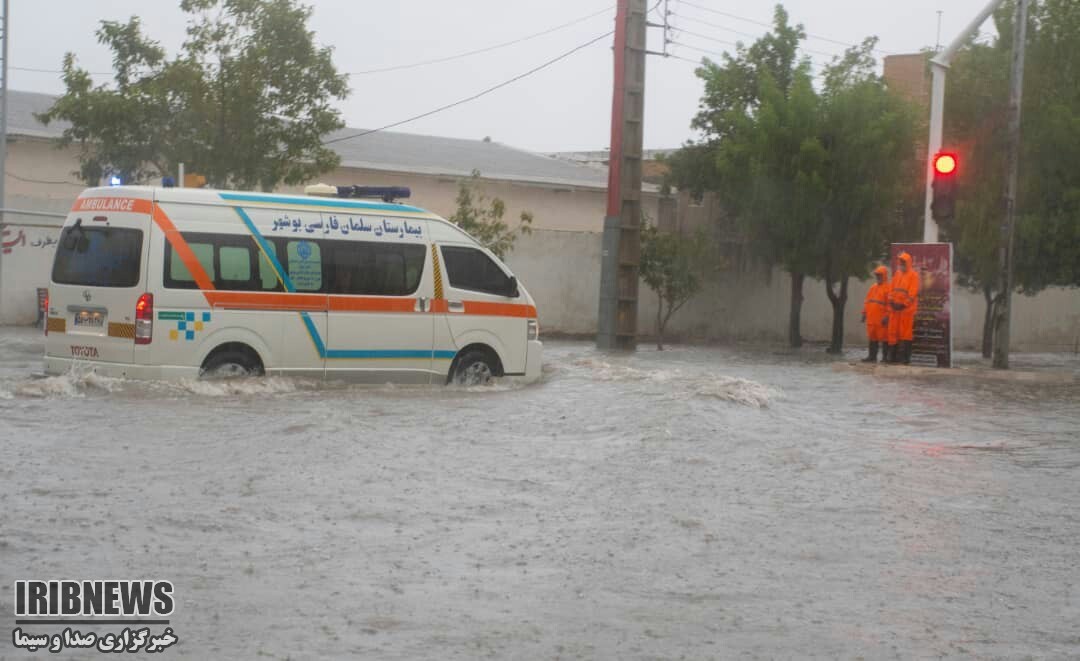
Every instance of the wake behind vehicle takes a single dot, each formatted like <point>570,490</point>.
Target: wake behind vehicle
<point>162,283</point>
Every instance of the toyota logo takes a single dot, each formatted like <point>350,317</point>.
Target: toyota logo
<point>86,295</point>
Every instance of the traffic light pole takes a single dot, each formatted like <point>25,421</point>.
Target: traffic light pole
<point>939,65</point>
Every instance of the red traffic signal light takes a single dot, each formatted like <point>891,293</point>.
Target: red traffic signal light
<point>944,163</point>
<point>943,203</point>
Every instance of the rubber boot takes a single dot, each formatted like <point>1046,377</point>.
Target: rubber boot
<point>905,348</point>
<point>872,357</point>
<point>890,354</point>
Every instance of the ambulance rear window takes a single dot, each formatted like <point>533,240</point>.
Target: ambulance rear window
<point>98,257</point>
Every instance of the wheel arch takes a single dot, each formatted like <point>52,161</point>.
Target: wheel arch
<point>493,355</point>
<point>236,340</point>
<point>480,336</point>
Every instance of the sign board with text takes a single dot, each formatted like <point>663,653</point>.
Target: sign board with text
<point>933,319</point>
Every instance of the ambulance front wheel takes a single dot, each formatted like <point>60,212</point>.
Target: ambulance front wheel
<point>231,362</point>
<point>474,368</point>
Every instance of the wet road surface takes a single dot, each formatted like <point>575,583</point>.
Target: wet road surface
<point>694,503</point>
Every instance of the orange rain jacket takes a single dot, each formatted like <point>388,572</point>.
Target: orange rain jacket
<point>904,293</point>
<point>876,308</point>
<point>903,302</point>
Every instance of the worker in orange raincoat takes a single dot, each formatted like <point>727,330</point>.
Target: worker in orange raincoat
<point>875,314</point>
<point>903,302</point>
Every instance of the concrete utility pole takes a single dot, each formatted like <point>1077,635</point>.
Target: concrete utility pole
<point>1016,93</point>
<point>939,64</point>
<point>617,319</point>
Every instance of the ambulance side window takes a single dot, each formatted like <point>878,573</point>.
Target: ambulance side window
<point>469,268</point>
<point>235,263</point>
<point>232,262</point>
<point>372,268</point>
<point>177,275</point>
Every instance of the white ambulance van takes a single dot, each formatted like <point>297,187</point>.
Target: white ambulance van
<point>162,283</point>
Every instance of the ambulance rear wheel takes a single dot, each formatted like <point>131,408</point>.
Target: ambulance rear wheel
<point>474,369</point>
<point>230,364</point>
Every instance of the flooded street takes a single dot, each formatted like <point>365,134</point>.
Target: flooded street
<point>694,503</point>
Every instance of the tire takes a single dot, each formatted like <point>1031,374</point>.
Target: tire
<point>230,365</point>
<point>474,368</point>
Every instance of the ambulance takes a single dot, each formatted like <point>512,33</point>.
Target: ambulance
<point>167,283</point>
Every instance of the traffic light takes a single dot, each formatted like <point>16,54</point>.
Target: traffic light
<point>943,206</point>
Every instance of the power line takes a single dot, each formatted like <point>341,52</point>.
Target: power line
<point>478,94</point>
<point>41,181</point>
<point>706,37</point>
<point>716,54</point>
<point>399,67</point>
<point>486,49</point>
<point>714,25</point>
<point>684,59</point>
<point>770,26</point>
<point>700,50</point>
<point>33,70</point>
<point>745,34</point>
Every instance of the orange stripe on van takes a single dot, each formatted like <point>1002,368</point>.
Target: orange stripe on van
<point>248,300</point>
<point>183,250</point>
<point>489,309</point>
<point>371,304</point>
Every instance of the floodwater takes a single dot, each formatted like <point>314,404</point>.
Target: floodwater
<point>694,503</point>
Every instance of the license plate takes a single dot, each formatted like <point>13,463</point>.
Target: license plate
<point>89,319</point>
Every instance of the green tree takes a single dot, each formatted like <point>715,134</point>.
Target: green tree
<point>868,134</point>
<point>1047,248</point>
<point>246,102</point>
<point>777,161</point>
<point>759,120</point>
<point>482,217</point>
<point>977,95</point>
<point>671,265</point>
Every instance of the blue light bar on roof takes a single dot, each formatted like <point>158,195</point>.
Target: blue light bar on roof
<point>385,193</point>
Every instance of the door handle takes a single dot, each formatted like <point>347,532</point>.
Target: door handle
<point>455,306</point>
<point>421,304</point>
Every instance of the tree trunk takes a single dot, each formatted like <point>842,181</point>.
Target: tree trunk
<point>794,334</point>
<point>836,344</point>
<point>660,323</point>
<point>988,323</point>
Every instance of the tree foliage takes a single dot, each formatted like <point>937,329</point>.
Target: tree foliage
<point>816,178</point>
<point>1047,249</point>
<point>482,217</point>
<point>246,102</point>
<point>758,151</point>
<point>671,265</point>
<point>868,134</point>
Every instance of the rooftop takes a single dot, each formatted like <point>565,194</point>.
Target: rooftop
<point>385,150</point>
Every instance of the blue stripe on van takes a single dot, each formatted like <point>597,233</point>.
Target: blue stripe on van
<point>388,353</point>
<point>320,202</point>
<point>368,353</point>
<point>314,333</point>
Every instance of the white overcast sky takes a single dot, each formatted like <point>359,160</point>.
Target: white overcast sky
<point>564,107</point>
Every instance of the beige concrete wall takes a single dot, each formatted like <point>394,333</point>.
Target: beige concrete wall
<point>561,270</point>
<point>39,176</point>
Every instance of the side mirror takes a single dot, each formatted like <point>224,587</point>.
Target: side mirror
<point>512,288</point>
